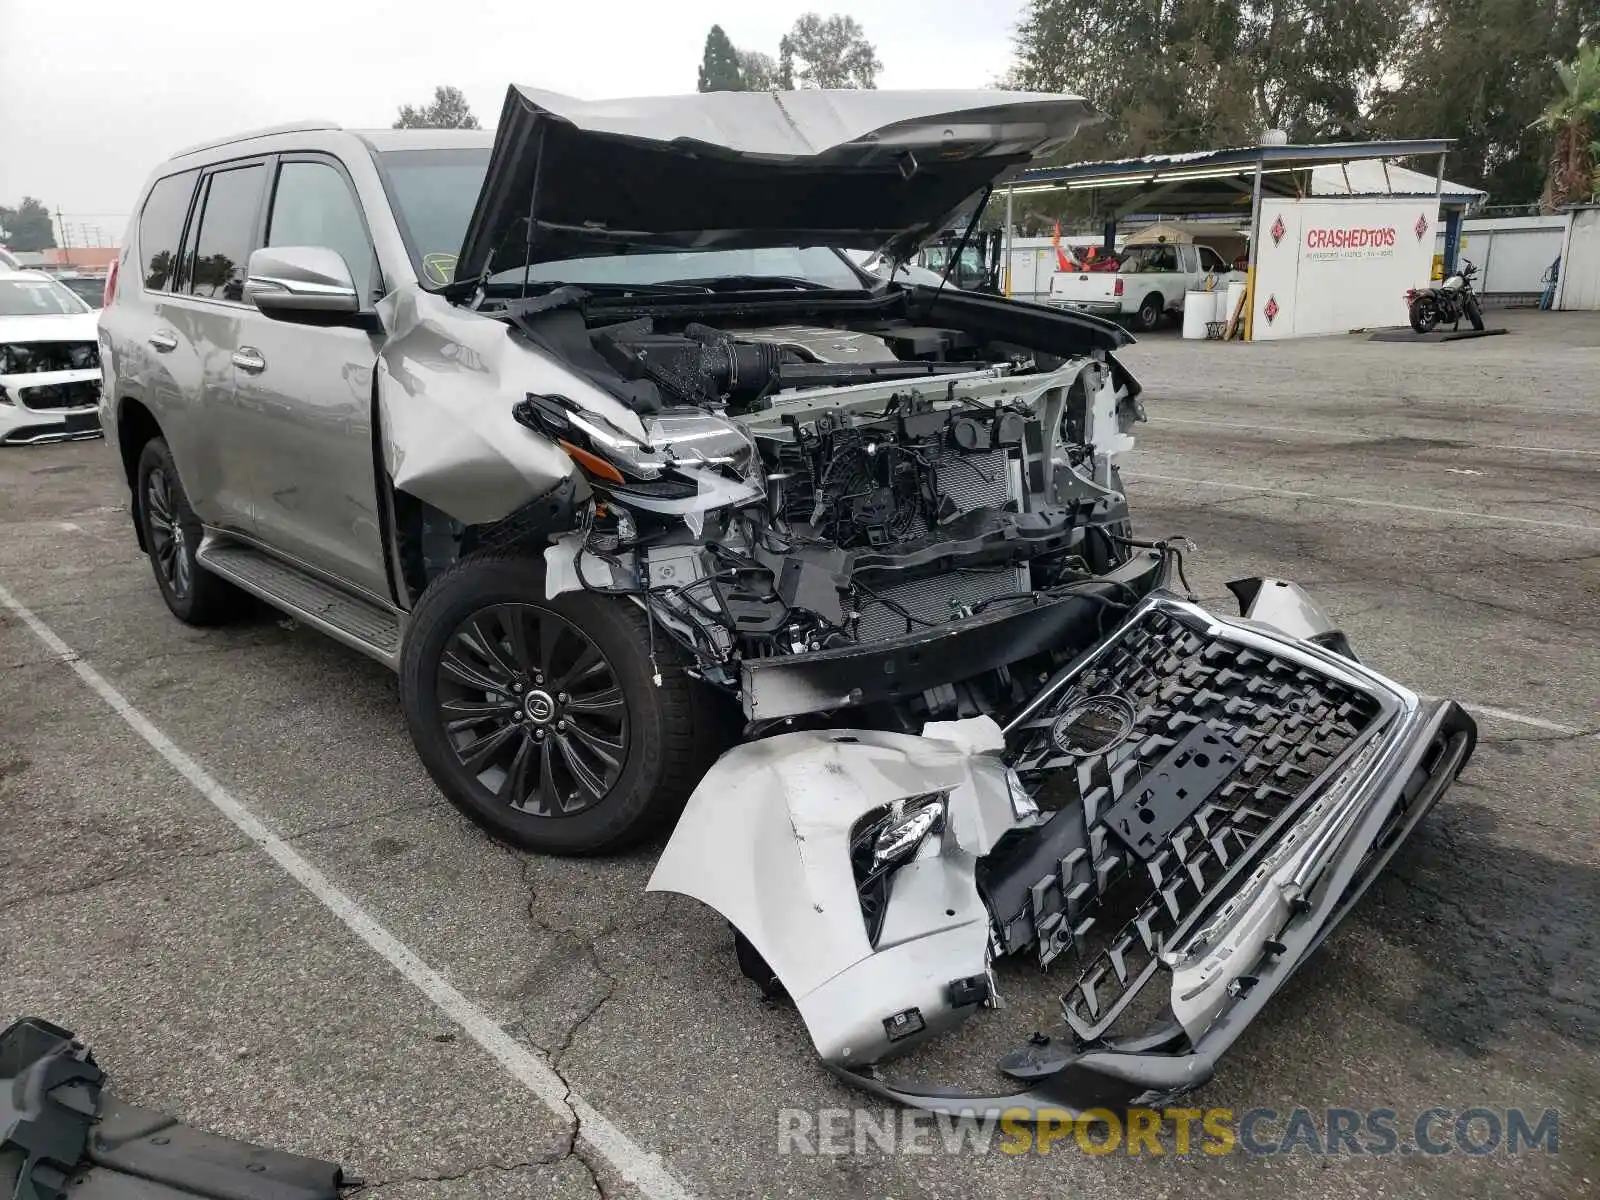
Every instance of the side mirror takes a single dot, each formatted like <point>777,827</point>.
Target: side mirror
<point>301,283</point>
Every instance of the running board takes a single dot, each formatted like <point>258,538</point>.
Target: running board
<point>358,623</point>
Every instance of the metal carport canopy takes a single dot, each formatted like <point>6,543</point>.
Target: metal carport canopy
<point>1215,181</point>
<point>1212,180</point>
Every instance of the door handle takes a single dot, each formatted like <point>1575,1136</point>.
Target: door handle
<point>248,358</point>
<point>163,341</point>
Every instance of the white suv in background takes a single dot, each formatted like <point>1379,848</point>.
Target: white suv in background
<point>49,361</point>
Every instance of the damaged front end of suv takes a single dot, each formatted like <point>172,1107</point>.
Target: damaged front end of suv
<point>1177,818</point>
<point>883,524</point>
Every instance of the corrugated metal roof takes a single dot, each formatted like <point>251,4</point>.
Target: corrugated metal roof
<point>1291,157</point>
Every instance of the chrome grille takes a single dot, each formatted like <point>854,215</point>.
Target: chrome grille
<point>1114,904</point>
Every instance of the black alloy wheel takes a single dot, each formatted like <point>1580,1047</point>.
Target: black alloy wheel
<point>532,709</point>
<point>563,724</point>
<point>168,546</point>
<point>171,533</point>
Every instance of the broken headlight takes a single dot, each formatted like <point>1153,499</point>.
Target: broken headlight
<point>883,841</point>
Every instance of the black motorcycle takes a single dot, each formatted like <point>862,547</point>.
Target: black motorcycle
<point>1449,301</point>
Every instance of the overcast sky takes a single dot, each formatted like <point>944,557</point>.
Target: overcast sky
<point>94,93</point>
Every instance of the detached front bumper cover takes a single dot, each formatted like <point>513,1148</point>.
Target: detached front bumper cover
<point>62,1134</point>
<point>1231,787</point>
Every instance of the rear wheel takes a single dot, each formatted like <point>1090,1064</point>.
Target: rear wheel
<point>1149,314</point>
<point>1424,314</point>
<point>172,536</point>
<point>540,718</point>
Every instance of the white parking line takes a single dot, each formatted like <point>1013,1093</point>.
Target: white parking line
<point>1505,714</point>
<point>1364,502</point>
<point>644,1170</point>
<point>1367,437</point>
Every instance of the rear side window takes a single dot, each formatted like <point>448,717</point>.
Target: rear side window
<point>313,206</point>
<point>227,232</point>
<point>161,228</point>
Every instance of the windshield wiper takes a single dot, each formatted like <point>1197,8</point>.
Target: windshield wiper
<point>751,283</point>
<point>541,286</point>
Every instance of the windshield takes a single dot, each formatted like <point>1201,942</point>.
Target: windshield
<point>433,192</point>
<point>37,298</point>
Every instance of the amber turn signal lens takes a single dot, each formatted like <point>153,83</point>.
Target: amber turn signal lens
<point>592,463</point>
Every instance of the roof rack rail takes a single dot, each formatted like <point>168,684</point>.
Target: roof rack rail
<point>307,126</point>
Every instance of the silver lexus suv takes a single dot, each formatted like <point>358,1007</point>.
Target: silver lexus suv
<point>666,512</point>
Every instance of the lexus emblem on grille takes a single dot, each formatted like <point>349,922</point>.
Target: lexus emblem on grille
<point>1093,726</point>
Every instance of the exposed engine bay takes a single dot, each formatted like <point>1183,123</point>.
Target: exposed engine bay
<point>807,490</point>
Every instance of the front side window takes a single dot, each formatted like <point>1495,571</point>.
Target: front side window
<point>161,229</point>
<point>227,233</point>
<point>433,192</point>
<point>313,206</point>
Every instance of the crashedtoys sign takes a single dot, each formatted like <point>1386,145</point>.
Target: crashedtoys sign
<point>1330,266</point>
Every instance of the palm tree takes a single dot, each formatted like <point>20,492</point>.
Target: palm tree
<point>1574,118</point>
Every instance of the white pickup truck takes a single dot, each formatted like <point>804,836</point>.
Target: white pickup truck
<point>1150,281</point>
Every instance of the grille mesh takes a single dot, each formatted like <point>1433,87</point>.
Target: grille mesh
<point>934,599</point>
<point>84,393</point>
<point>1108,907</point>
<point>35,358</point>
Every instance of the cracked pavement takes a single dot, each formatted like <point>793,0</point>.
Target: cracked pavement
<point>213,987</point>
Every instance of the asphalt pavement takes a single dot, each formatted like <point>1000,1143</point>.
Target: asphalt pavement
<point>365,976</point>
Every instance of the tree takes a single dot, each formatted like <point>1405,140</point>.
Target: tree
<point>759,71</point>
<point>448,111</point>
<point>1177,75</point>
<point>831,52</point>
<point>27,226</point>
<point>719,65</point>
<point>1478,71</point>
<point>1572,120</point>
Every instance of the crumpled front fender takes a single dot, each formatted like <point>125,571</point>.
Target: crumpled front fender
<point>764,840</point>
<point>447,382</point>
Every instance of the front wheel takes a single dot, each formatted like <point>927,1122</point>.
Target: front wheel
<point>1475,314</point>
<point>540,719</point>
<point>1424,314</point>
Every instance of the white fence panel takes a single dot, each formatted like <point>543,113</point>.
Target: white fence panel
<point>1511,253</point>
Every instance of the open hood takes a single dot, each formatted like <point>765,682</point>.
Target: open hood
<point>720,170</point>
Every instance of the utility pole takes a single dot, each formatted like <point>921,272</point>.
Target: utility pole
<point>66,241</point>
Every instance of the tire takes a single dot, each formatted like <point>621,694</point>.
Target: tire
<point>171,536</point>
<point>1424,314</point>
<point>564,744</point>
<point>1149,314</point>
<point>1475,315</point>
